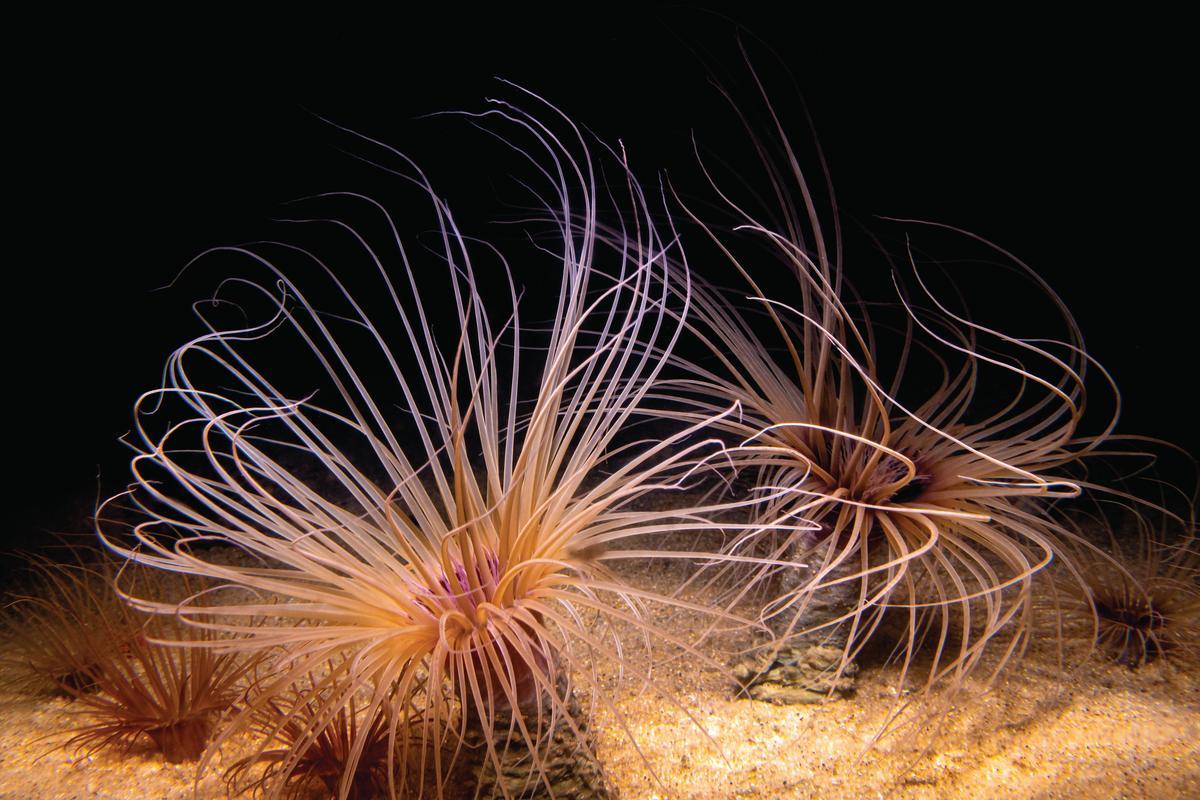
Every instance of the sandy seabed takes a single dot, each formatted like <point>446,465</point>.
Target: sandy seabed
<point>1101,731</point>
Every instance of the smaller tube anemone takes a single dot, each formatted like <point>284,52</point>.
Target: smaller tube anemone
<point>293,760</point>
<point>60,625</point>
<point>1140,600</point>
<point>129,689</point>
<point>163,683</point>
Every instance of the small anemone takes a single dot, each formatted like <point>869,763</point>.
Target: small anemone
<point>304,747</point>
<point>66,620</point>
<point>1142,598</point>
<point>74,632</point>
<point>144,691</point>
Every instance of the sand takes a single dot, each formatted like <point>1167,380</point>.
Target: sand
<point>1100,731</point>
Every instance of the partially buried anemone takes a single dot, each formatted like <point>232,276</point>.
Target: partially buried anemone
<point>65,617</point>
<point>302,747</point>
<point>130,691</point>
<point>1137,600</point>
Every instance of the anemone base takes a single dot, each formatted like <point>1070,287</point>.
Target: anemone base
<point>74,683</point>
<point>568,768</point>
<point>183,741</point>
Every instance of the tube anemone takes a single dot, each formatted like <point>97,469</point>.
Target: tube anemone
<point>1138,600</point>
<point>302,760</point>
<point>129,690</point>
<point>940,511</point>
<point>145,689</point>
<point>67,618</point>
<point>423,521</point>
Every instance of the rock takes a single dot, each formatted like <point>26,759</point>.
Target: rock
<point>804,674</point>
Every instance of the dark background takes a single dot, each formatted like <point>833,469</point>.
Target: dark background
<point>1066,145</point>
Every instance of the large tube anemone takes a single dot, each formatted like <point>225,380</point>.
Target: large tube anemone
<point>415,487</point>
